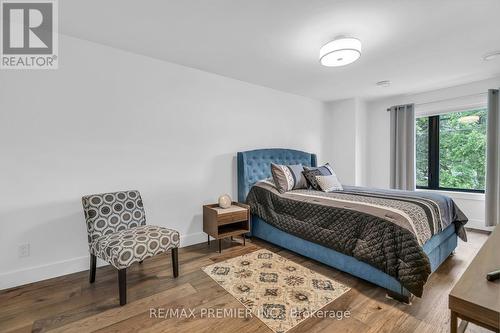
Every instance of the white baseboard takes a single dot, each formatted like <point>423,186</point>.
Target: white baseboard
<point>478,225</point>
<point>59,268</point>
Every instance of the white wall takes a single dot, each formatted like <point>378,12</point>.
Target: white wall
<point>378,153</point>
<point>111,120</point>
<point>361,146</point>
<point>345,139</point>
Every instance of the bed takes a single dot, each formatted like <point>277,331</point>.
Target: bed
<point>254,166</point>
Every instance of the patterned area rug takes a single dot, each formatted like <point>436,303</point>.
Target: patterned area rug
<point>276,290</point>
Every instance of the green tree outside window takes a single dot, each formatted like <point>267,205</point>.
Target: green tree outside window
<point>462,150</point>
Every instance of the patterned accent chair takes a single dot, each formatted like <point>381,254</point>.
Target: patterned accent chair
<point>118,234</point>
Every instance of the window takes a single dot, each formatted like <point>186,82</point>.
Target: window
<point>451,151</point>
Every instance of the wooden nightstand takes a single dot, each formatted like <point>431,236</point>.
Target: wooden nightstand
<point>226,222</point>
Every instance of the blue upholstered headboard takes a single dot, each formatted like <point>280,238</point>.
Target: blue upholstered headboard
<point>255,165</point>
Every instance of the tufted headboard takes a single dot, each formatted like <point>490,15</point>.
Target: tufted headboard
<point>255,165</point>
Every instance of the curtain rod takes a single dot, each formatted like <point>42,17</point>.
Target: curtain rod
<point>447,99</point>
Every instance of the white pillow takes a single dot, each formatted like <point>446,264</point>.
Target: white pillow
<point>329,183</point>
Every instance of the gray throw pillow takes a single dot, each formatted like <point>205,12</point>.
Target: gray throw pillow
<point>310,174</point>
<point>288,177</point>
<point>329,183</point>
<point>325,169</point>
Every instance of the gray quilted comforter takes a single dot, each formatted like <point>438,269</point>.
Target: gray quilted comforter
<point>384,228</point>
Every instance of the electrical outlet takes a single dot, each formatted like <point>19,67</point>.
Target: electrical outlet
<point>24,250</point>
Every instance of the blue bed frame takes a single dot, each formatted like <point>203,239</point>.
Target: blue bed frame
<point>254,165</point>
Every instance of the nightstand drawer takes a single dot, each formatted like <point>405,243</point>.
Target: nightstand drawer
<point>232,218</point>
<point>239,216</point>
<point>224,218</point>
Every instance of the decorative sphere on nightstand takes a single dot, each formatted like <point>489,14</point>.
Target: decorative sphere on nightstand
<point>225,201</point>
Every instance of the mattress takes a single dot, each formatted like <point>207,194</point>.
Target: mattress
<point>385,229</point>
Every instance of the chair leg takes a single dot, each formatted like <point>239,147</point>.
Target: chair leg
<point>122,285</point>
<point>175,261</point>
<point>93,260</point>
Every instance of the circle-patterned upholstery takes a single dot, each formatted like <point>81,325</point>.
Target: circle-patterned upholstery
<point>107,213</point>
<point>117,231</point>
<point>123,248</point>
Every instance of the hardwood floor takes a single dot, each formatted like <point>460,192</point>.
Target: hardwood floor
<point>71,304</point>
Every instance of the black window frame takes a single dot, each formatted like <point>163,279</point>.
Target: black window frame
<point>433,160</point>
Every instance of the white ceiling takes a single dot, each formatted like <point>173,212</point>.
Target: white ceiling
<point>417,44</point>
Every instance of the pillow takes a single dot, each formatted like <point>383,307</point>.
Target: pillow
<point>288,177</point>
<point>329,183</point>
<point>310,175</point>
<point>325,169</point>
<point>311,172</point>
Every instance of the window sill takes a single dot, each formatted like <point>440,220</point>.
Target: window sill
<point>457,194</point>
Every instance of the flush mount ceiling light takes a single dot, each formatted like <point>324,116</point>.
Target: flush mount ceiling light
<point>491,55</point>
<point>340,52</point>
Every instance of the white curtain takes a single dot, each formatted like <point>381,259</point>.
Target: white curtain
<point>492,199</point>
<point>402,167</point>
